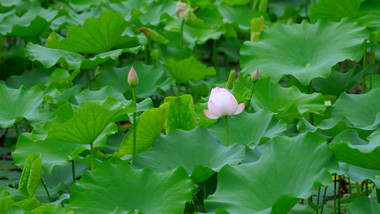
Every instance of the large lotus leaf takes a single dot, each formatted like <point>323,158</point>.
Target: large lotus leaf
<point>50,57</point>
<point>361,111</point>
<point>248,129</point>
<point>33,23</point>
<point>52,208</point>
<point>363,205</point>
<point>16,104</point>
<point>53,152</point>
<point>306,51</point>
<point>334,10</point>
<point>181,114</point>
<point>89,124</point>
<point>28,79</point>
<point>149,126</point>
<point>154,14</point>
<point>349,148</point>
<point>188,69</point>
<point>118,188</point>
<point>360,174</point>
<point>82,5</point>
<point>288,103</point>
<point>96,35</point>
<point>339,82</point>
<point>200,150</point>
<point>151,78</point>
<point>101,94</point>
<point>273,184</point>
<point>369,15</point>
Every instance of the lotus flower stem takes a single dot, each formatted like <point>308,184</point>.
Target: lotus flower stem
<point>335,194</point>
<point>250,97</point>
<point>378,195</point>
<point>16,129</point>
<point>319,195</point>
<point>226,119</point>
<point>181,41</point>
<point>73,170</point>
<point>358,189</point>
<point>134,124</point>
<point>324,199</point>
<point>204,194</point>
<point>339,192</point>
<point>92,156</point>
<point>146,51</point>
<point>366,188</point>
<point>46,189</point>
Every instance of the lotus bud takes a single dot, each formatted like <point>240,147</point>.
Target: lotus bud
<point>181,9</point>
<point>231,79</point>
<point>255,75</point>
<point>133,79</point>
<point>222,103</point>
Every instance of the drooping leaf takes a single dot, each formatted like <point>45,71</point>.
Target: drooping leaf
<point>200,154</point>
<point>53,152</point>
<point>334,10</point>
<point>161,193</point>
<point>363,205</point>
<point>31,175</point>
<point>181,114</point>
<point>288,103</point>
<point>305,51</point>
<point>96,35</point>
<point>88,125</point>
<point>248,129</point>
<point>283,174</point>
<point>188,69</point>
<point>16,104</point>
<point>149,126</point>
<point>151,78</point>
<point>349,148</point>
<point>52,208</point>
<point>360,174</point>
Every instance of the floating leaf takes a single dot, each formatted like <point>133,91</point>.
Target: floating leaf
<point>188,69</point>
<point>257,127</point>
<point>198,154</point>
<point>16,104</point>
<point>149,126</point>
<point>96,35</point>
<point>31,175</point>
<point>162,193</point>
<point>181,114</point>
<point>298,49</point>
<point>283,174</point>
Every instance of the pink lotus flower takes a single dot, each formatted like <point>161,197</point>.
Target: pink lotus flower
<point>222,103</point>
<point>133,79</point>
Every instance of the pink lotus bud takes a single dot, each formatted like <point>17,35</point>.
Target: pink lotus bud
<point>255,75</point>
<point>133,79</point>
<point>222,103</point>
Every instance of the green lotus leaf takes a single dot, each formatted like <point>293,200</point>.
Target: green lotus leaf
<point>99,95</point>
<point>151,78</point>
<point>369,15</point>
<point>50,155</point>
<point>16,104</point>
<point>363,205</point>
<point>349,148</point>
<point>149,126</point>
<point>117,188</point>
<point>31,175</point>
<point>96,35</point>
<point>83,5</point>
<point>339,82</point>
<point>274,184</point>
<point>334,10</point>
<point>90,124</point>
<point>181,114</point>
<point>50,57</point>
<point>188,69</point>
<point>305,51</point>
<point>52,208</point>
<point>200,149</point>
<point>288,103</point>
<point>28,79</point>
<point>155,12</point>
<point>30,25</point>
<point>257,127</point>
<point>361,111</point>
<point>360,174</point>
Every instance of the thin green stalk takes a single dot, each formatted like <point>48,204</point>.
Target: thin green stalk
<point>226,121</point>
<point>324,199</point>
<point>378,195</point>
<point>204,196</point>
<point>364,64</point>
<point>250,97</point>
<point>349,185</point>
<point>73,170</point>
<point>358,189</point>
<point>26,122</point>
<point>335,194</point>
<point>339,192</point>
<point>47,191</point>
<point>134,124</point>
<point>214,55</point>
<point>92,157</point>
<point>319,195</point>
<point>366,188</point>
<point>88,79</point>
<point>16,129</point>
<point>181,41</point>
